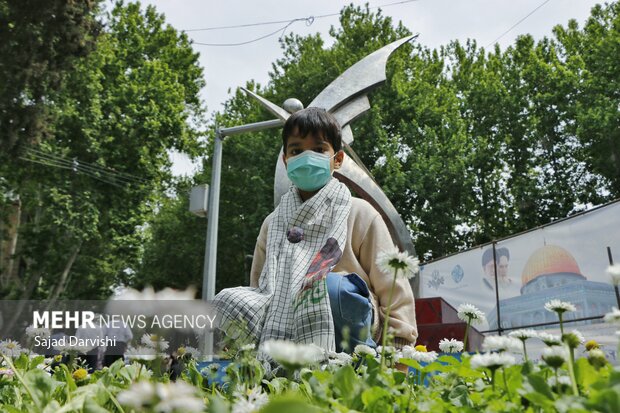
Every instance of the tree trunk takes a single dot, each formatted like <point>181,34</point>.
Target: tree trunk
<point>64,277</point>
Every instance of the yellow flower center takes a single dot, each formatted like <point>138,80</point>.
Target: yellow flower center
<point>591,345</point>
<point>421,348</point>
<point>80,374</point>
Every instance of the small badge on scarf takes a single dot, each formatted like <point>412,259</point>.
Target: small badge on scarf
<point>294,235</point>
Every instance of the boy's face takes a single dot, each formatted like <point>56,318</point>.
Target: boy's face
<point>296,145</point>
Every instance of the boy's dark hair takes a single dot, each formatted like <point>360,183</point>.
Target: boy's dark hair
<point>313,121</point>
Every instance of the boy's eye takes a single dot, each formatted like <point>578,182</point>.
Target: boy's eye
<point>319,150</point>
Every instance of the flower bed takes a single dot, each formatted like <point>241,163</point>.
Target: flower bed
<point>308,380</point>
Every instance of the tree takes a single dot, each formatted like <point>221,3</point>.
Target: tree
<point>592,54</point>
<point>40,42</point>
<point>122,108</point>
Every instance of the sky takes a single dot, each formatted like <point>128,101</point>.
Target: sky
<point>437,21</point>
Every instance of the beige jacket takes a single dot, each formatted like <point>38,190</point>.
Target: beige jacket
<point>367,235</point>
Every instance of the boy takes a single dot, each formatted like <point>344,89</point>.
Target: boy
<point>314,278</point>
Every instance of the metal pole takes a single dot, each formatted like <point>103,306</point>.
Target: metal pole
<point>611,262</point>
<point>208,284</point>
<point>208,276</point>
<point>499,318</point>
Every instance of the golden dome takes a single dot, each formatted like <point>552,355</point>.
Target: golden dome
<point>549,259</point>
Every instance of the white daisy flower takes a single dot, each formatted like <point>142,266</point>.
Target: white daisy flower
<point>555,356</point>
<point>33,332</point>
<point>6,372</point>
<point>10,348</point>
<point>523,334</point>
<point>450,346</point>
<point>574,338</point>
<point>470,313</point>
<point>563,380</point>
<point>149,294</point>
<point>389,351</point>
<point>172,397</point>
<point>192,351</point>
<point>339,359</point>
<point>292,355</point>
<point>139,394</point>
<point>249,401</point>
<point>550,339</point>
<point>614,272</point>
<point>392,259</point>
<point>502,343</point>
<point>141,353</point>
<point>492,360</point>
<point>613,316</point>
<point>560,307</point>
<point>154,341</point>
<point>248,347</point>
<point>409,352</point>
<point>363,350</point>
<point>178,397</point>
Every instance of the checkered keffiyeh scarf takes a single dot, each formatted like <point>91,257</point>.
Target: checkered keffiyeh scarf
<point>291,301</point>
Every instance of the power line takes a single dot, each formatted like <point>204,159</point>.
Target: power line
<point>309,20</point>
<point>518,23</point>
<point>119,179</point>
<point>92,166</point>
<point>282,29</point>
<point>58,165</point>
<point>76,163</point>
<point>321,16</point>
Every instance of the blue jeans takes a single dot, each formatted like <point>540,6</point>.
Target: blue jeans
<point>352,312</point>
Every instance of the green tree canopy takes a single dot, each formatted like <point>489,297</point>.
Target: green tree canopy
<point>87,192</point>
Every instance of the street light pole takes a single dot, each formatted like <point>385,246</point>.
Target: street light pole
<point>213,212</point>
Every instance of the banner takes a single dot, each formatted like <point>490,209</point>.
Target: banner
<point>565,260</point>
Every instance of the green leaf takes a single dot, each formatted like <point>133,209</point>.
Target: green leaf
<point>289,404</point>
<point>410,363</point>
<point>344,381</point>
<point>41,386</point>
<point>374,394</point>
<point>92,406</point>
<point>540,385</point>
<point>459,396</point>
<point>448,359</point>
<point>585,373</point>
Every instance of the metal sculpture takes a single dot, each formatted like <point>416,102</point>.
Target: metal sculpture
<point>346,98</point>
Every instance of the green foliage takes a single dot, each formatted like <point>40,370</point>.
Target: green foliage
<point>40,43</point>
<point>446,385</point>
<point>119,112</point>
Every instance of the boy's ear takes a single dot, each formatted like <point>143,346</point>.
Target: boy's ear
<point>338,159</point>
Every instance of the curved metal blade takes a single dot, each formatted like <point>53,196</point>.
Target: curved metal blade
<point>359,78</point>
<point>271,107</point>
<point>351,110</point>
